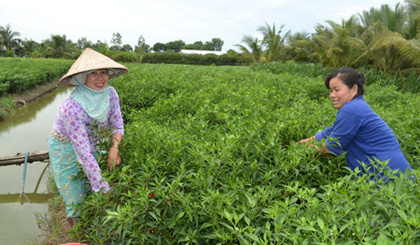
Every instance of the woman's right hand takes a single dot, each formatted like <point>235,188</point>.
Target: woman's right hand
<point>305,140</point>
<point>114,158</point>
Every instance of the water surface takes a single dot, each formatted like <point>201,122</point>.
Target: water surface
<point>27,129</point>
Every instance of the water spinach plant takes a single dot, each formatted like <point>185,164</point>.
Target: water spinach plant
<point>18,75</point>
<point>208,158</point>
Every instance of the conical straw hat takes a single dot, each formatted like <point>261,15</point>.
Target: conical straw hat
<point>92,60</point>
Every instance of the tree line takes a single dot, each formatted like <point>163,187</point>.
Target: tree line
<point>383,38</point>
<point>58,46</point>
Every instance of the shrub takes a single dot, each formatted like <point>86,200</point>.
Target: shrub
<point>21,74</point>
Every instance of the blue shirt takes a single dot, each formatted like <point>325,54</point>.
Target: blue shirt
<point>365,136</point>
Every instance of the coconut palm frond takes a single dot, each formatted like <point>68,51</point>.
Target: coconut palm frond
<point>355,43</point>
<point>8,38</point>
<point>410,70</point>
<point>242,48</point>
<point>410,49</point>
<point>362,58</point>
<point>253,47</point>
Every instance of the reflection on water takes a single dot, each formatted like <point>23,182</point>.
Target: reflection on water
<point>27,129</point>
<point>17,213</point>
<point>18,224</point>
<point>25,114</point>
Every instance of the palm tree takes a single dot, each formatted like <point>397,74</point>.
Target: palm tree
<point>413,22</point>
<point>59,47</point>
<point>390,36</point>
<point>299,47</point>
<point>274,42</point>
<point>338,45</point>
<point>392,19</point>
<point>29,46</point>
<point>8,38</point>
<point>255,49</point>
<point>399,53</point>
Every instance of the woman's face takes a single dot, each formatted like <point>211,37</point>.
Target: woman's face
<point>340,93</point>
<point>97,79</point>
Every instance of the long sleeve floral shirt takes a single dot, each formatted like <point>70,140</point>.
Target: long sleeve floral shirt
<point>75,124</point>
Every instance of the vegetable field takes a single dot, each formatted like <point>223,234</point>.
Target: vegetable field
<point>20,75</point>
<point>208,158</point>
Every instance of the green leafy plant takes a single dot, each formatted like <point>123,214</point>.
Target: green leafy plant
<point>208,156</point>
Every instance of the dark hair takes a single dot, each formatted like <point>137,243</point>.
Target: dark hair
<point>349,76</point>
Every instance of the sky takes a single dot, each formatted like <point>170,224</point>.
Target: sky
<point>170,20</point>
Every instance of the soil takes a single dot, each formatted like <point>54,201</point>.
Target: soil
<point>35,93</point>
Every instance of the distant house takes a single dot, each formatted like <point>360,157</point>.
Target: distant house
<point>203,52</point>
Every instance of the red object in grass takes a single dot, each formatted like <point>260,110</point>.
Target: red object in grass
<point>151,194</point>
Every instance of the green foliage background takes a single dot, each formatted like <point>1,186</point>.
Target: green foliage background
<point>231,59</point>
<point>208,157</point>
<point>20,75</point>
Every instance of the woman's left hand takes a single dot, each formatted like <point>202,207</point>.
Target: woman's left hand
<point>114,158</point>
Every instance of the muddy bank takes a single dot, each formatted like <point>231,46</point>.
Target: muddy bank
<point>35,93</point>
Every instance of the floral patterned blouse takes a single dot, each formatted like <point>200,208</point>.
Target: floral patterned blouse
<point>76,125</point>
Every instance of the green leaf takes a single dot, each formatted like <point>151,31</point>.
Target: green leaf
<point>402,214</point>
<point>108,218</point>
<point>267,226</point>
<point>154,216</point>
<point>342,228</point>
<point>306,228</point>
<point>227,226</point>
<point>227,215</point>
<point>382,239</point>
<point>247,220</point>
<point>180,215</point>
<point>320,223</point>
<point>253,237</point>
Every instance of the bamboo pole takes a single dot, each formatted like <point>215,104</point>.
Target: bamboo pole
<point>35,156</point>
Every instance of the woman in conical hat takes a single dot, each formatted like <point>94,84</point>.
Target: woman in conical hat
<point>92,106</point>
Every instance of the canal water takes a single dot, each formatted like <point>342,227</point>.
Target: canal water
<point>27,129</point>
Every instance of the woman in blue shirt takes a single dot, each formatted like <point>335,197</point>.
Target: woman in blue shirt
<point>357,128</point>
